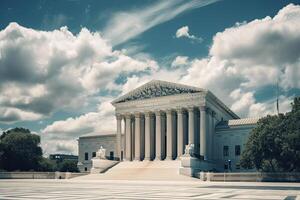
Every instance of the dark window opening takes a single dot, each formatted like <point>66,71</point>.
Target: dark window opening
<point>86,156</point>
<point>225,166</point>
<point>237,150</point>
<point>85,169</point>
<point>94,154</point>
<point>111,155</point>
<point>225,151</point>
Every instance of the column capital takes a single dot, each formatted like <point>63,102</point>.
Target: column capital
<point>148,114</point>
<point>158,112</point>
<point>179,110</point>
<point>137,115</point>
<point>127,115</point>
<point>170,111</point>
<point>191,108</point>
<point>203,108</point>
<point>208,111</point>
<point>213,113</point>
<point>119,116</point>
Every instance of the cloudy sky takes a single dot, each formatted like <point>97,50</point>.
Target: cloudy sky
<point>63,62</point>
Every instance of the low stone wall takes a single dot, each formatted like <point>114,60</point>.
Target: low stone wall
<point>250,177</point>
<point>68,175</point>
<point>39,175</point>
<point>27,175</point>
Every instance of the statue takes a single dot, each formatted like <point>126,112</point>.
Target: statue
<point>99,163</point>
<point>100,154</point>
<point>189,150</point>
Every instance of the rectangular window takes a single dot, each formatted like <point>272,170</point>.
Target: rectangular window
<point>94,154</point>
<point>237,150</point>
<point>111,155</point>
<point>85,169</point>
<point>225,151</point>
<point>86,156</point>
<point>225,166</point>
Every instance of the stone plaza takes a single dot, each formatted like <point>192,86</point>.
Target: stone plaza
<point>83,189</point>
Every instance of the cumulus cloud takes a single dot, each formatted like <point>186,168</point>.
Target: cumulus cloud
<point>141,19</point>
<point>180,61</point>
<point>41,71</point>
<point>262,48</point>
<point>251,56</point>
<point>183,32</point>
<point>60,136</point>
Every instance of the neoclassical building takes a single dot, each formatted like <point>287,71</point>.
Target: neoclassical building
<point>159,118</point>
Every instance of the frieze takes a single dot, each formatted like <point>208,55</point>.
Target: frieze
<point>157,88</point>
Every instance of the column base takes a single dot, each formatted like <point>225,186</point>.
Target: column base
<point>169,158</point>
<point>147,159</point>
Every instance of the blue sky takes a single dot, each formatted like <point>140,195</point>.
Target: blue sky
<point>59,82</point>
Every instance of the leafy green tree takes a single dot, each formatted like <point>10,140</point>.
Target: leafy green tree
<point>67,166</point>
<point>47,165</point>
<point>274,145</point>
<point>20,150</point>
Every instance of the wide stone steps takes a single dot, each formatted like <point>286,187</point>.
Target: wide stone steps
<point>142,170</point>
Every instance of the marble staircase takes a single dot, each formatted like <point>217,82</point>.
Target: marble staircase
<point>142,170</point>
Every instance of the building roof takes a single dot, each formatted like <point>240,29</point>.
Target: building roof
<point>238,122</point>
<point>157,88</point>
<point>98,135</point>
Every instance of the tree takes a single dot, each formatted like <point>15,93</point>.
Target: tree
<point>67,166</point>
<point>274,145</point>
<point>47,165</point>
<point>20,150</point>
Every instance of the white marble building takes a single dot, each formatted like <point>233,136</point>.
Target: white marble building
<point>159,118</point>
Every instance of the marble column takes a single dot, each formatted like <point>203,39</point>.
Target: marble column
<point>213,115</point>
<point>203,131</point>
<point>137,142</point>
<point>158,138</point>
<point>163,136</point>
<point>208,133</point>
<point>191,125</point>
<point>118,136</point>
<point>147,135</point>
<point>180,132</point>
<point>169,135</point>
<point>152,136</point>
<point>128,137</point>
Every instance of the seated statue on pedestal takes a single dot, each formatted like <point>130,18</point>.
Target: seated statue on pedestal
<point>100,154</point>
<point>99,163</point>
<point>189,150</point>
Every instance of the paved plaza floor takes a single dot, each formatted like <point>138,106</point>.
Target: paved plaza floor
<point>105,189</point>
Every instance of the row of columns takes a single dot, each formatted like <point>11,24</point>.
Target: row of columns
<point>163,135</point>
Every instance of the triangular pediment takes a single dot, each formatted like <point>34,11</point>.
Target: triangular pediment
<point>156,88</point>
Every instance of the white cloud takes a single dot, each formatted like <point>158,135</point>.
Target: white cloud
<point>141,19</point>
<point>60,136</point>
<point>180,61</point>
<point>263,47</point>
<point>184,32</point>
<point>251,56</point>
<point>41,72</point>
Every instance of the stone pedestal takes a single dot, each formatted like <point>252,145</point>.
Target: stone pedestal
<point>191,166</point>
<point>100,164</point>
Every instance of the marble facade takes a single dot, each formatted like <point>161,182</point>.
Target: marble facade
<point>160,118</point>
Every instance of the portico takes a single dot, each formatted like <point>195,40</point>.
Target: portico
<point>161,118</point>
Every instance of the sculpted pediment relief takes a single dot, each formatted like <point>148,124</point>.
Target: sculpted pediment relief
<point>156,88</point>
